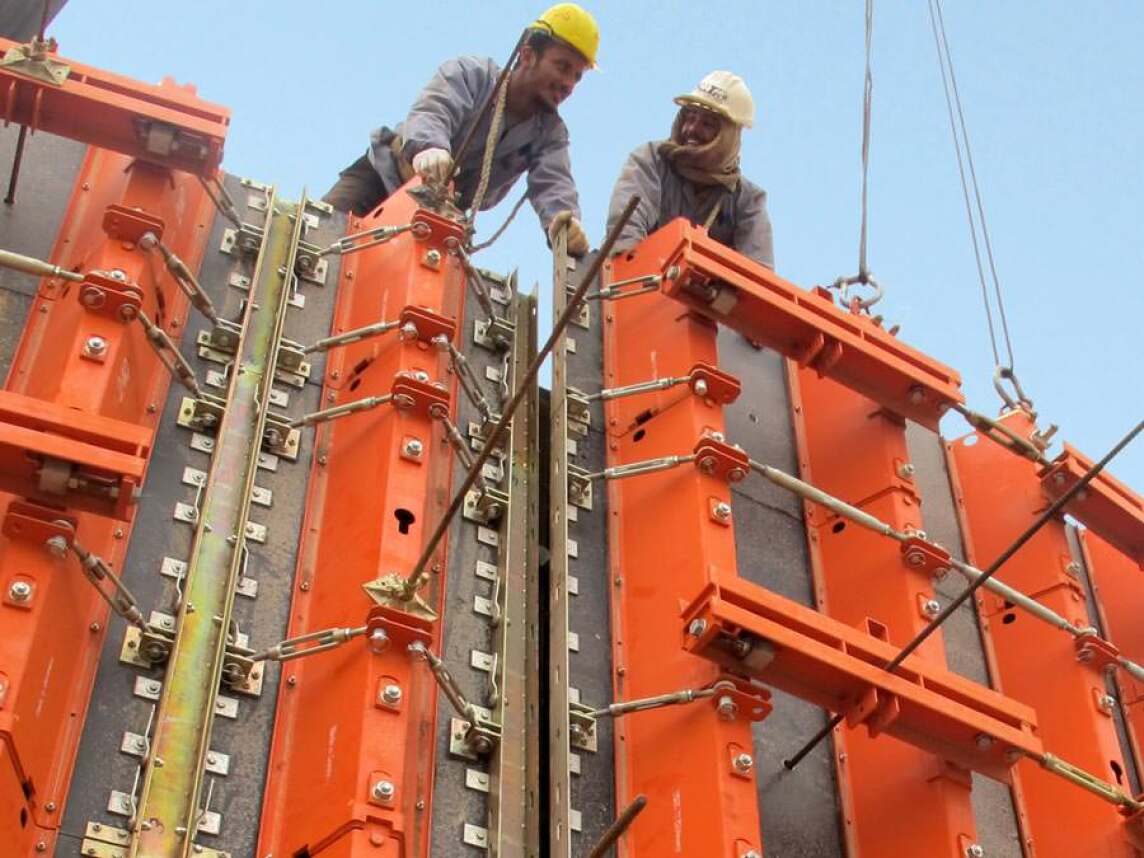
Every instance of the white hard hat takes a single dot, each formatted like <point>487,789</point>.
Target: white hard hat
<point>725,93</point>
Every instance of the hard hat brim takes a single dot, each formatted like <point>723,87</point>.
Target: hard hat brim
<point>701,101</point>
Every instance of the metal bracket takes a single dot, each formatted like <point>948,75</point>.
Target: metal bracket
<point>246,240</point>
<point>494,334</point>
<point>582,727</point>
<point>473,741</point>
<point>579,487</point>
<point>485,507</point>
<point>579,411</point>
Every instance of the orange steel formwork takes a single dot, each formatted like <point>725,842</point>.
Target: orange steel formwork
<point>166,124</point>
<point>853,449</point>
<point>1116,579</point>
<point>77,419</point>
<point>998,495</point>
<point>380,480</point>
<point>664,532</point>
<point>806,326</point>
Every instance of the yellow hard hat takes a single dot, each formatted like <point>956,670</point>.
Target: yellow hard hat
<point>724,93</point>
<point>571,24</point>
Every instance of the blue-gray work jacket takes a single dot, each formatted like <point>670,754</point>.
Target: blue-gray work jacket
<point>441,116</point>
<point>742,222</point>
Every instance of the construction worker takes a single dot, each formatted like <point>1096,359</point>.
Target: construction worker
<point>557,49</point>
<point>695,174</point>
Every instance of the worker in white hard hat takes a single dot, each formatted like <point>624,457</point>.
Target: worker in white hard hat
<point>557,49</point>
<point>695,173</point>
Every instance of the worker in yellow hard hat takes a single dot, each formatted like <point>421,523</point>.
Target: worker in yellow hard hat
<point>695,173</point>
<point>556,50</point>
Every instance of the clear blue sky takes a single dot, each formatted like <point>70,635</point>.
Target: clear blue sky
<point>1052,91</point>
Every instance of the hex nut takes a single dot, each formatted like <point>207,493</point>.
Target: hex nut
<point>20,591</point>
<point>384,791</point>
<point>722,511</point>
<point>727,708</point>
<point>391,694</point>
<point>743,763</point>
<point>697,627</point>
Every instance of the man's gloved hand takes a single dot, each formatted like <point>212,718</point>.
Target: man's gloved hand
<point>433,165</point>
<point>577,238</point>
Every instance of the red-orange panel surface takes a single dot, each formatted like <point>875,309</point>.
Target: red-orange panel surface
<point>662,536</point>
<point>369,508</point>
<point>999,495</point>
<point>853,449</point>
<point>51,642</point>
<point>1119,584</point>
<point>1106,506</point>
<point>714,280</point>
<point>166,124</point>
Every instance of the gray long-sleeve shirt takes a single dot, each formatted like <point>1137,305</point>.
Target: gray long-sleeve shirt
<point>441,117</point>
<point>742,222</point>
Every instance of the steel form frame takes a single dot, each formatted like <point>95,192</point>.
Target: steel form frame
<point>997,495</point>
<point>851,448</point>
<point>93,412</point>
<point>165,124</point>
<point>806,326</point>
<point>711,807</point>
<point>362,474</point>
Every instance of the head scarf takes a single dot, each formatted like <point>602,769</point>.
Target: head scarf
<point>712,164</point>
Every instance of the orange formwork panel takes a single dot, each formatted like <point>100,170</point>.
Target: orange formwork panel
<point>165,124</point>
<point>998,496</point>
<point>1118,584</point>
<point>852,449</point>
<point>1106,506</point>
<point>380,480</point>
<point>77,420</point>
<point>664,531</point>
<point>807,326</point>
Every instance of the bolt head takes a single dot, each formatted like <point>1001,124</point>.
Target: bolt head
<point>20,591</point>
<point>408,331</point>
<point>722,511</point>
<point>751,853</point>
<point>736,475</point>
<point>707,464</point>
<point>433,256</point>
<point>384,791</point>
<point>57,545</point>
<point>1107,702</point>
<point>907,470</point>
<point>931,608</point>
<point>414,447</point>
<point>915,559</point>
<point>94,346</point>
<point>700,387</point>
<point>391,694</point>
<point>743,763</point>
<point>983,741</point>
<point>378,640</point>
<point>727,708</point>
<point>974,850</point>
<point>697,627</point>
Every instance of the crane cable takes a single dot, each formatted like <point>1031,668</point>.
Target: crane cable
<point>960,134</point>
<point>863,277</point>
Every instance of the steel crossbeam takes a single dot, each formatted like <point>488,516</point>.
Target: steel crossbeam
<point>807,326</point>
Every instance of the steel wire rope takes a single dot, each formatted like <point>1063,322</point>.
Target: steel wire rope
<point>954,107</point>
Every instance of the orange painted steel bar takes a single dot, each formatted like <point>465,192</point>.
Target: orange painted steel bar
<point>854,450</point>
<point>1116,579</point>
<point>92,408</point>
<point>808,327</point>
<point>998,496</point>
<point>165,124</point>
<point>750,629</point>
<point>373,496</point>
<point>664,531</point>
<point>1107,507</point>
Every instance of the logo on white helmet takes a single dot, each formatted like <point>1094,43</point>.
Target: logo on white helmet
<point>715,93</point>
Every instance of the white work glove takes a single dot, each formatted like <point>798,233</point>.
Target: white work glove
<point>577,238</point>
<point>434,166</point>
